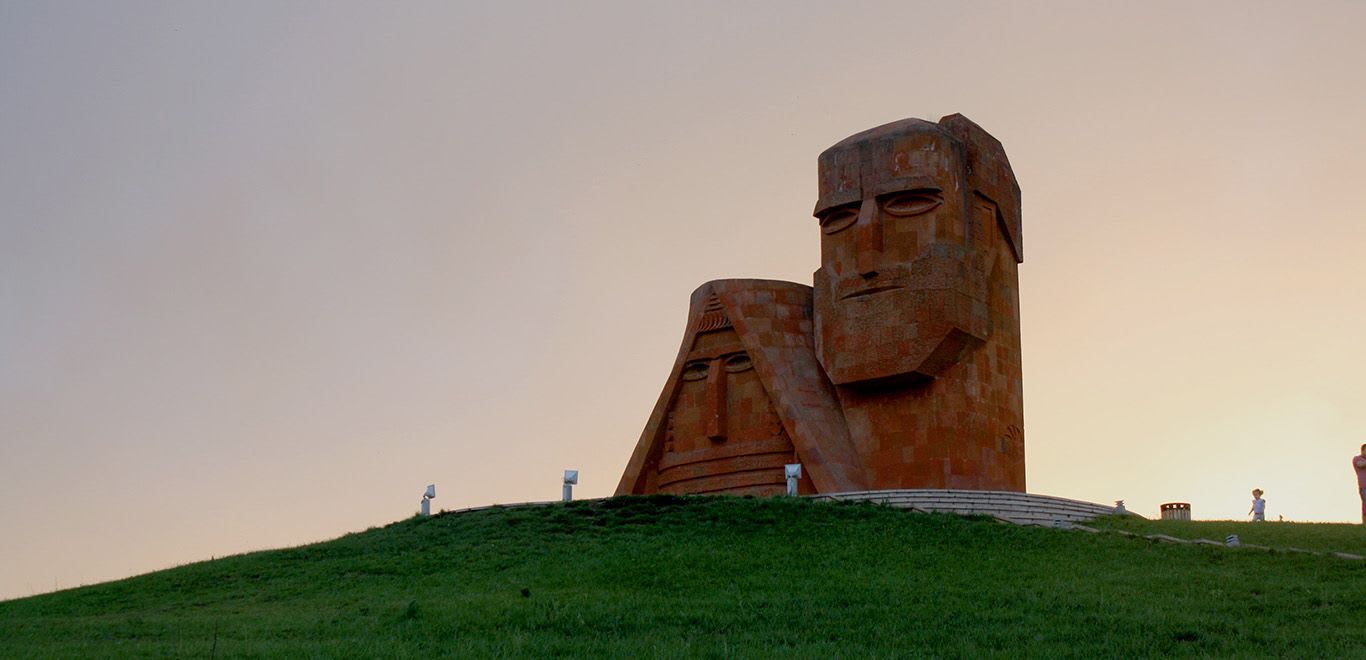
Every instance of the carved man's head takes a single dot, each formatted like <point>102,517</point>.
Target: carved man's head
<point>910,215</point>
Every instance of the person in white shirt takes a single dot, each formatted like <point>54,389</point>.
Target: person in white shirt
<point>1258,510</point>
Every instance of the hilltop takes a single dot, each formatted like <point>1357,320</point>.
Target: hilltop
<point>715,576</point>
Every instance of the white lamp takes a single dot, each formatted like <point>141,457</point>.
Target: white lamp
<point>427,499</point>
<point>793,472</point>
<point>571,477</point>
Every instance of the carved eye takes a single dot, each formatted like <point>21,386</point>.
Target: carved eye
<point>738,362</point>
<point>914,202</point>
<point>696,370</point>
<point>836,220</point>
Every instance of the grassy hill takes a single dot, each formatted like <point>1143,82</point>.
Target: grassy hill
<point>718,577</point>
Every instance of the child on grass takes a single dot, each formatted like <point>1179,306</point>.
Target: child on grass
<point>1258,510</point>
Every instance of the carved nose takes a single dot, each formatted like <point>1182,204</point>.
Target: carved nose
<point>868,240</point>
<point>716,403</point>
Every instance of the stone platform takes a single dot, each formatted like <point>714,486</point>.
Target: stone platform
<point>1018,508</point>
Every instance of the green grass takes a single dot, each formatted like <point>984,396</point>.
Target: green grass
<point>716,577</point>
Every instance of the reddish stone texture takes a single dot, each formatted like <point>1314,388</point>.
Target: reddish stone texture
<point>917,303</point>
<point>745,397</point>
<point>900,370</point>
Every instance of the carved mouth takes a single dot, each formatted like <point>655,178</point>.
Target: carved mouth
<point>871,290</point>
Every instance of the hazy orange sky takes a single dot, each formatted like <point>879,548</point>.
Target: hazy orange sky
<point>267,268</point>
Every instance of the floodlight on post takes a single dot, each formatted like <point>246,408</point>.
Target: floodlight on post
<point>571,477</point>
<point>793,472</point>
<point>427,500</point>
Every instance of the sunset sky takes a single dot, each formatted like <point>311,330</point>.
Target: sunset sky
<point>267,269</point>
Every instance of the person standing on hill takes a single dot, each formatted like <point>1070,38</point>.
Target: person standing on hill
<point>1359,462</point>
<point>1258,509</point>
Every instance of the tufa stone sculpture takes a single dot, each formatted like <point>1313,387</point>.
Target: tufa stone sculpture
<point>745,397</point>
<point>917,303</point>
<point>899,369</point>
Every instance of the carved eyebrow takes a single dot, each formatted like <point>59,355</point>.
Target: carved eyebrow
<point>906,184</point>
<point>927,190</point>
<point>851,206</point>
<point>715,352</point>
<point>839,207</point>
<point>845,198</point>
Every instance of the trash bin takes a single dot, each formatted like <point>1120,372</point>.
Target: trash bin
<point>1176,511</point>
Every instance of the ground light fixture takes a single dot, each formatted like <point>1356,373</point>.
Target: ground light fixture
<point>571,477</point>
<point>427,499</point>
<point>793,472</point>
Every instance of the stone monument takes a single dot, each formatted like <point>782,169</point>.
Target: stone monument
<point>745,397</point>
<point>899,369</point>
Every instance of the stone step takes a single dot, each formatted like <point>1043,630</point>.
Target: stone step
<point>1022,508</point>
